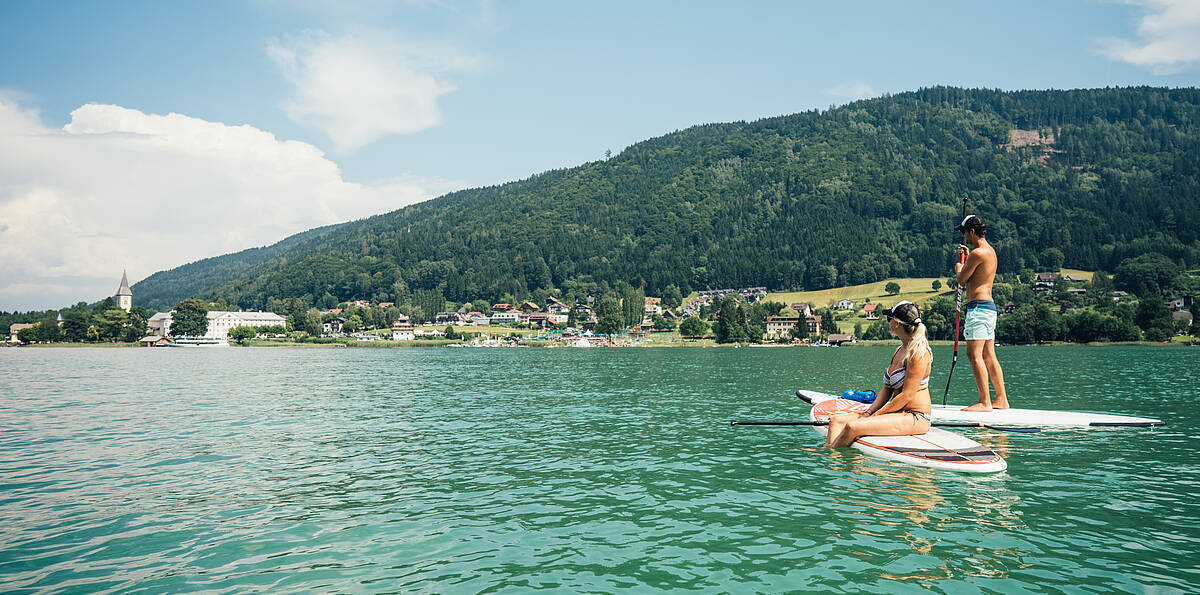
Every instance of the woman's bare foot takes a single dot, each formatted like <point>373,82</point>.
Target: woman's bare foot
<point>1000,404</point>
<point>979,407</point>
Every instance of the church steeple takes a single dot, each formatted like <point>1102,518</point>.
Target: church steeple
<point>125,294</point>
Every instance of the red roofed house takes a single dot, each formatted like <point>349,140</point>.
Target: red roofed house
<point>16,328</point>
<point>653,305</point>
<point>554,306</point>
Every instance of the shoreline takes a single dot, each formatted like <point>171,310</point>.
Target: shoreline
<point>704,343</point>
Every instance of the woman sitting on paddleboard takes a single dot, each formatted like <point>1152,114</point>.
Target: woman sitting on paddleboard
<point>903,406</point>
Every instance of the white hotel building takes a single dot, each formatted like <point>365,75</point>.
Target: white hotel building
<point>219,322</point>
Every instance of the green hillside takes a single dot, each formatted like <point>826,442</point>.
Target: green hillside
<point>853,195</point>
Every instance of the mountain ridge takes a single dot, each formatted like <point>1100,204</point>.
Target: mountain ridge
<point>856,193</point>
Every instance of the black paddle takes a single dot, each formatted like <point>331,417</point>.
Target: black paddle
<point>957,314</point>
<point>939,424</point>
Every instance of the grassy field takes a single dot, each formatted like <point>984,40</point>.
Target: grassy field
<point>917,290</point>
<point>1085,275</point>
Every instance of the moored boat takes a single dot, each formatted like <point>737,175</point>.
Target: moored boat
<point>199,342</point>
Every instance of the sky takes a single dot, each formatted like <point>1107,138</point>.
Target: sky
<point>140,136</point>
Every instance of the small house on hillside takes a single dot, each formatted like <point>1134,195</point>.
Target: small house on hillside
<point>402,330</point>
<point>752,294</point>
<point>846,304</point>
<point>528,307</point>
<point>333,326</point>
<point>802,308</point>
<point>447,318</point>
<point>653,306</point>
<point>554,306</point>
<point>871,310</point>
<point>1045,282</point>
<point>505,317</point>
<point>1179,303</point>
<point>502,307</point>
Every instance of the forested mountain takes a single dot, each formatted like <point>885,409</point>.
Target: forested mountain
<point>162,289</point>
<point>859,193</point>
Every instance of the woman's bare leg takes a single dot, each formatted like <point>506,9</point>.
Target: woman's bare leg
<point>888,424</point>
<point>837,427</point>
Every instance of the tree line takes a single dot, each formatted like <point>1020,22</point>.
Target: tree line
<point>819,199</point>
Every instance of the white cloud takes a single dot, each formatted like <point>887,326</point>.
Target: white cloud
<point>357,89</point>
<point>117,188</point>
<point>853,91</point>
<point>1168,37</point>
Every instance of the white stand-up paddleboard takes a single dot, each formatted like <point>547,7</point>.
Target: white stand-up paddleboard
<point>936,449</point>
<point>1017,417</point>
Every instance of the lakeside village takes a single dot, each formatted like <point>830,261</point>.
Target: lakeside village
<point>1040,308</point>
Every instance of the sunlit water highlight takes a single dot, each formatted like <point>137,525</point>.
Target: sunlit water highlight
<point>443,470</point>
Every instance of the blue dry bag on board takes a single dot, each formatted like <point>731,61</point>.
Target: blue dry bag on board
<point>862,396</point>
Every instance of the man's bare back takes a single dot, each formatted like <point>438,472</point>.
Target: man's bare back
<point>980,271</point>
<point>976,274</point>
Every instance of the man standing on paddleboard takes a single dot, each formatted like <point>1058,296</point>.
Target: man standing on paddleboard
<point>976,273</point>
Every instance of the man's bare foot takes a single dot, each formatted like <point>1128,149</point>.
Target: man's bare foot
<point>978,407</point>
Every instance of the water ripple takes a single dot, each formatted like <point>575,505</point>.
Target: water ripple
<point>575,470</point>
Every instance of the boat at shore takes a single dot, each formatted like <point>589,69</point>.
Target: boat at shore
<point>199,342</point>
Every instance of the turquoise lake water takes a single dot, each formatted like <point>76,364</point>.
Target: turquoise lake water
<point>574,470</point>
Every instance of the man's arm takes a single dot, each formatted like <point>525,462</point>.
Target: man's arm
<point>964,270</point>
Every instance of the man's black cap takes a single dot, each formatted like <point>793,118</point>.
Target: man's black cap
<point>969,222</point>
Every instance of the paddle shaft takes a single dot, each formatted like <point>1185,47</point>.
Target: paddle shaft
<point>962,258</point>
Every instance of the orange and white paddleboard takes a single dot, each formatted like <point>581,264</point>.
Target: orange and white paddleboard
<point>936,449</point>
